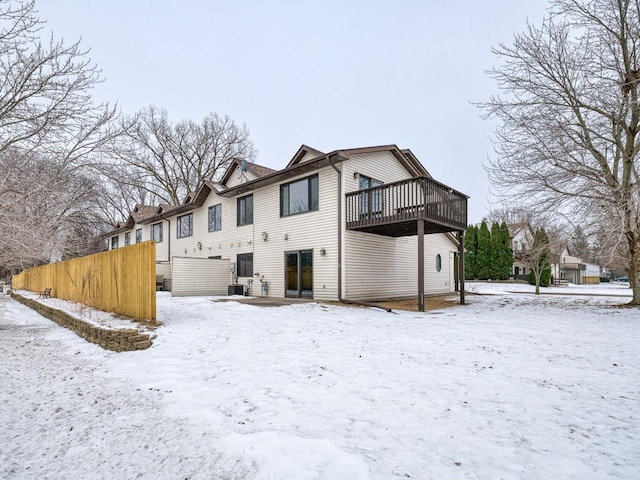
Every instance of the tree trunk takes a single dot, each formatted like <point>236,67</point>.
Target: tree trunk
<point>634,267</point>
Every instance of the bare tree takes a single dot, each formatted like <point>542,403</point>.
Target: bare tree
<point>39,224</point>
<point>169,160</point>
<point>539,259</point>
<point>50,134</point>
<point>569,132</point>
<point>508,215</point>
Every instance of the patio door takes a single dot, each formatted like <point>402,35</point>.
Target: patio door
<point>299,274</point>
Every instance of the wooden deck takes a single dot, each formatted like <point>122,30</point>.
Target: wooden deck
<point>394,209</point>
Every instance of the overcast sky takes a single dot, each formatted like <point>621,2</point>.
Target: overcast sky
<point>330,74</point>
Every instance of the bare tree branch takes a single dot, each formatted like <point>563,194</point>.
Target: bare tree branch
<point>169,160</point>
<point>569,134</point>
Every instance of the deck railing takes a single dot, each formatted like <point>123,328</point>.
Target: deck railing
<point>412,199</point>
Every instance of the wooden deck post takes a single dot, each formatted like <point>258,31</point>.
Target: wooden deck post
<point>461,266</point>
<point>421,265</point>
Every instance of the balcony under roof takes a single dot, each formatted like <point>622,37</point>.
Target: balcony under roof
<point>394,209</point>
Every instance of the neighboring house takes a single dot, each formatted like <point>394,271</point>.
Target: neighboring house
<point>344,225</point>
<point>570,269</point>
<point>565,268</point>
<point>521,235</point>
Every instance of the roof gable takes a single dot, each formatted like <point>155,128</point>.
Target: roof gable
<point>405,157</point>
<point>304,151</point>
<point>253,169</point>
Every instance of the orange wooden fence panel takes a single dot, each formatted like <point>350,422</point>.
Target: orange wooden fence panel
<point>121,281</point>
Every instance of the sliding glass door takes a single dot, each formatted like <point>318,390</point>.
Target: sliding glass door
<point>299,274</point>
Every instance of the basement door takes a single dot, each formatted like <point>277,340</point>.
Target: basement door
<point>298,274</point>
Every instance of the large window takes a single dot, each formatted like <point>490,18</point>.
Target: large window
<point>127,239</point>
<point>138,235</point>
<point>215,218</point>
<point>245,210</point>
<point>185,225</point>
<point>114,242</point>
<point>370,202</point>
<point>245,264</point>
<point>156,232</point>
<point>299,196</point>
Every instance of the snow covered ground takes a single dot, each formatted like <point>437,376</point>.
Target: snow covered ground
<point>511,386</point>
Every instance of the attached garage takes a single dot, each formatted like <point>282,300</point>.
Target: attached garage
<point>199,276</point>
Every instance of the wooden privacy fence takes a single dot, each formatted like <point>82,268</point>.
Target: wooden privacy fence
<point>119,281</point>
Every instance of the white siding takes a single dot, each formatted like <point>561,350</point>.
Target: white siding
<point>374,267</point>
<point>384,267</point>
<point>381,166</point>
<point>238,177</point>
<point>199,276</point>
<point>306,231</point>
<point>378,267</point>
<point>163,268</point>
<point>162,248</point>
<point>308,156</point>
<point>592,270</point>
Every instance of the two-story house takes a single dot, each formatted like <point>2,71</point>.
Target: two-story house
<point>521,235</point>
<point>357,224</point>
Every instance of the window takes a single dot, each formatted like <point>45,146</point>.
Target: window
<point>438,262</point>
<point>245,264</point>
<point>299,196</point>
<point>245,210</point>
<point>138,235</point>
<point>156,232</point>
<point>215,218</point>
<point>370,202</point>
<point>185,225</point>
<point>114,242</point>
<point>127,239</point>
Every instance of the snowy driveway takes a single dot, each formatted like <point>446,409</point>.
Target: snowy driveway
<point>510,386</point>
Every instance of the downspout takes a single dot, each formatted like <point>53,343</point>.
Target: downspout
<point>344,300</point>
<point>168,240</point>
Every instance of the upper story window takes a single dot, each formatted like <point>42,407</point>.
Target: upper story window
<point>245,210</point>
<point>299,196</point>
<point>185,225</point>
<point>127,239</point>
<point>156,232</point>
<point>114,242</point>
<point>370,202</point>
<point>138,235</point>
<point>215,218</point>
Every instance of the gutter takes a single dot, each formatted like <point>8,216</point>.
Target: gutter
<point>344,300</point>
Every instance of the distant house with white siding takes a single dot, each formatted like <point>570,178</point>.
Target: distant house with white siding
<point>521,235</point>
<point>357,224</point>
<point>571,269</point>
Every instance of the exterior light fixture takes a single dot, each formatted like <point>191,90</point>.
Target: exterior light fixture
<point>265,236</point>
<point>323,252</point>
<point>199,245</point>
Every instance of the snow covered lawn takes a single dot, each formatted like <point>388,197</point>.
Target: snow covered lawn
<point>511,386</point>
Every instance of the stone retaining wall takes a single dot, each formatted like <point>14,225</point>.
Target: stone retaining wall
<point>118,340</point>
